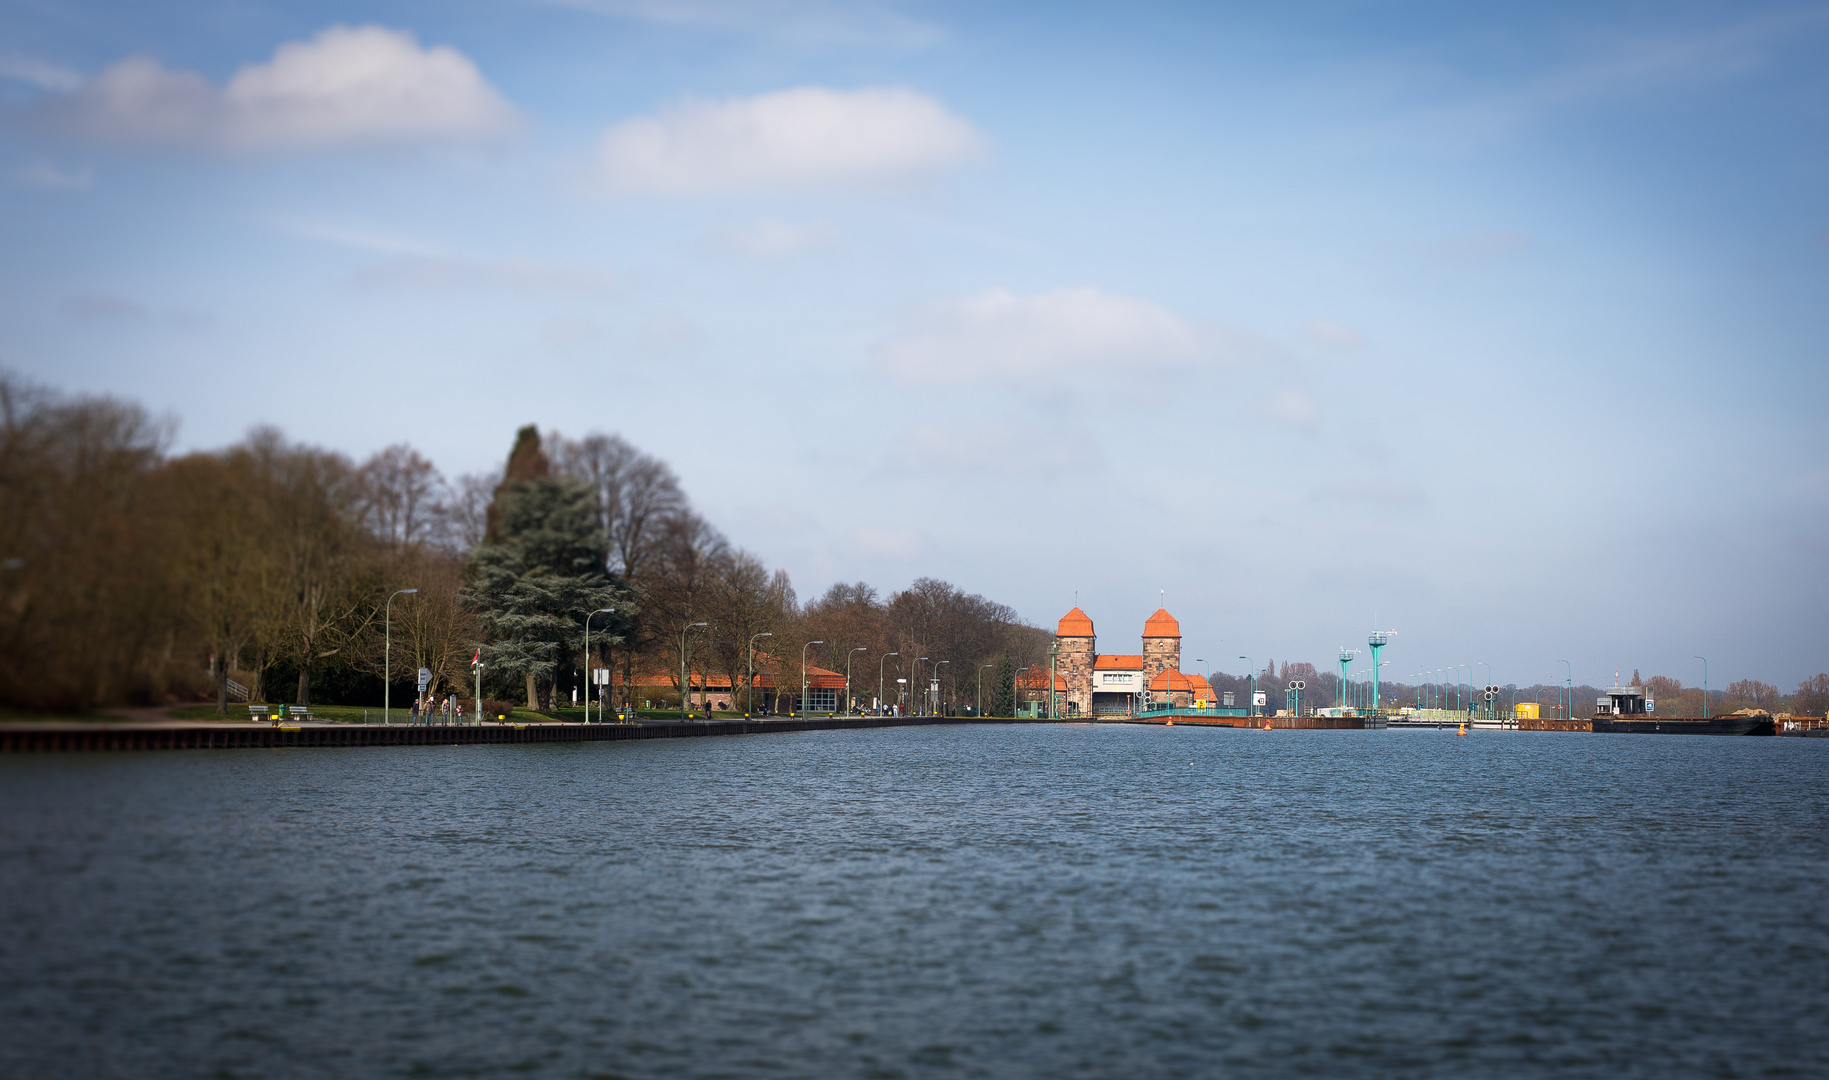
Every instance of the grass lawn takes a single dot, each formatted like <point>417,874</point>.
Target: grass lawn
<point>10,716</point>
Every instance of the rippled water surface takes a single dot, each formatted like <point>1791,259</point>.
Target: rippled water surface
<point>1070,901</point>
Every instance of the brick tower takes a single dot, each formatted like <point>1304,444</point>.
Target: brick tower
<point>1161,645</point>
<point>1078,650</point>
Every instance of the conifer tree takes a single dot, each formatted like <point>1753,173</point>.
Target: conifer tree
<point>541,571</point>
<point>1003,702</point>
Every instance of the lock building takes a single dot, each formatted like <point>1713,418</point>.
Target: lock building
<point>1107,684</point>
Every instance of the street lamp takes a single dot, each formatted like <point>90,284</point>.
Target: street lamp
<point>848,657</point>
<point>686,674</point>
<point>1568,710</point>
<point>387,650</point>
<point>1704,660</point>
<point>752,672</point>
<point>913,680</point>
<point>587,666</point>
<point>1250,686</point>
<point>936,690</point>
<point>803,674</point>
<point>981,689</point>
<point>879,677</point>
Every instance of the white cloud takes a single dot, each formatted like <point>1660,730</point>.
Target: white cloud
<point>103,309</point>
<point>346,86</point>
<point>802,140</point>
<point>458,272</point>
<point>1003,447</point>
<point>894,543</point>
<point>998,334</point>
<point>1332,335</point>
<point>39,73</point>
<point>668,335</point>
<point>1292,407</point>
<point>800,22</point>
<point>43,174</point>
<point>1372,493</point>
<point>766,238</point>
<point>359,237</point>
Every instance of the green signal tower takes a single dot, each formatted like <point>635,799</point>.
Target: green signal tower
<point>1378,640</point>
<point>1346,661</point>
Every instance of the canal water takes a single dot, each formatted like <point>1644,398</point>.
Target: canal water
<point>1056,901</point>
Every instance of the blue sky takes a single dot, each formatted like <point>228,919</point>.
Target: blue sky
<point>1504,328</point>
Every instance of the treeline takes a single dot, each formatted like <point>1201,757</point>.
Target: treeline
<point>1810,698</point>
<point>283,572</point>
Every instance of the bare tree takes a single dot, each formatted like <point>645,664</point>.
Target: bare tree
<point>745,600</point>
<point>638,496</point>
<point>1751,693</point>
<point>463,517</point>
<point>400,496</point>
<point>326,573</point>
<point>680,584</point>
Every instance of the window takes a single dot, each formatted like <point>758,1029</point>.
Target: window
<point>820,699</point>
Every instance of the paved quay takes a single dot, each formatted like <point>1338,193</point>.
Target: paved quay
<point>227,735</point>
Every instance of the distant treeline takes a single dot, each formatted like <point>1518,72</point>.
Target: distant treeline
<point>128,575</point>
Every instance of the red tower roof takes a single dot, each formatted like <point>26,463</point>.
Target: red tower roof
<point>1161,624</point>
<point>1074,624</point>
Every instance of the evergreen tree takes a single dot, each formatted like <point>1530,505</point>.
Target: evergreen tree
<point>537,577</point>
<point>1003,702</point>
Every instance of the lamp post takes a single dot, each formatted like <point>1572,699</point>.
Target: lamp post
<point>803,674</point>
<point>387,650</point>
<point>1568,709</point>
<point>848,657</point>
<point>1704,660</point>
<point>879,677</point>
<point>1250,686</point>
<point>686,673</point>
<point>587,666</point>
<point>980,705</point>
<point>1209,675</point>
<point>477,669</point>
<point>913,681</point>
<point>1463,694</point>
<point>752,672</point>
<point>935,704</point>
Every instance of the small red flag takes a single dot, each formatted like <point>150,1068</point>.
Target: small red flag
<point>478,658</point>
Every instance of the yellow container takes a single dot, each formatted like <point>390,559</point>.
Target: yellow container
<point>1525,710</point>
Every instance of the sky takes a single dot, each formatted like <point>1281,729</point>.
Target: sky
<point>1502,326</point>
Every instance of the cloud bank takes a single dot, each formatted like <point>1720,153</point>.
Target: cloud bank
<point>766,238</point>
<point>998,334</point>
<point>347,86</point>
<point>804,140</point>
<point>817,23</point>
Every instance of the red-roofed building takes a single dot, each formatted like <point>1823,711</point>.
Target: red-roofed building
<point>775,690</point>
<point>1116,683</point>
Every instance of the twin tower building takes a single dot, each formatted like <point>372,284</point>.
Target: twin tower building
<point>1104,683</point>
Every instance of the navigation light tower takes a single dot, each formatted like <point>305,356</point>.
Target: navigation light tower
<point>1378,640</point>
<point>1346,661</point>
